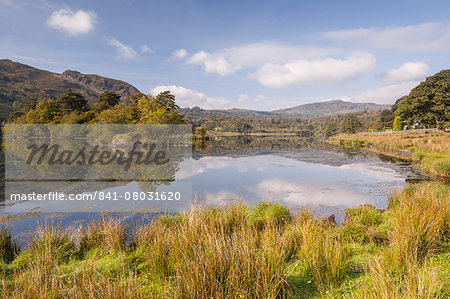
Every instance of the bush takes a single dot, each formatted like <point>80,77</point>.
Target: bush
<point>8,247</point>
<point>269,213</point>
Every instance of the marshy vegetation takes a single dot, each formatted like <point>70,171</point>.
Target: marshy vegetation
<point>236,251</point>
<point>431,150</point>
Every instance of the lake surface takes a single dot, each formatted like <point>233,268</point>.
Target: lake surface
<point>295,172</point>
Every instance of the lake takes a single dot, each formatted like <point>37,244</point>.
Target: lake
<point>296,172</point>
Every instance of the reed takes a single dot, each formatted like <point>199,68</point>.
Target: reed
<point>237,251</point>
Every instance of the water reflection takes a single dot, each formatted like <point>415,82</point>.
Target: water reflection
<point>297,172</point>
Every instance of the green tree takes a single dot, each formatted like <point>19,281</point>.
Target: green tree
<point>119,114</point>
<point>428,104</point>
<point>351,124</point>
<point>72,101</point>
<point>27,105</point>
<point>331,129</point>
<point>397,126</point>
<point>201,131</point>
<point>108,99</point>
<point>158,110</point>
<point>48,110</point>
<point>386,119</point>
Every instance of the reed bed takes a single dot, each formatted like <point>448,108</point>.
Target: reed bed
<point>237,251</point>
<point>431,150</point>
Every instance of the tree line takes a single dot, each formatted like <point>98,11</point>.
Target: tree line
<point>427,105</point>
<point>72,108</point>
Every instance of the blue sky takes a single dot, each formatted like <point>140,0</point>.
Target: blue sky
<point>259,55</point>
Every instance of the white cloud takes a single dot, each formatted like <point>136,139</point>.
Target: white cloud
<point>385,94</point>
<point>192,168</point>
<point>179,54</point>
<point>74,23</point>
<point>424,37</point>
<point>320,71</point>
<point>213,63</point>
<point>123,51</point>
<point>188,98</point>
<point>229,60</point>
<point>375,171</point>
<point>407,72</point>
<point>146,49</point>
<point>298,193</point>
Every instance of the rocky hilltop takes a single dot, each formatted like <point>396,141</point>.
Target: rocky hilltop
<point>98,84</point>
<point>19,81</point>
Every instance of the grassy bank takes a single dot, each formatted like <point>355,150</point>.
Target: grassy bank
<point>431,150</point>
<point>243,252</point>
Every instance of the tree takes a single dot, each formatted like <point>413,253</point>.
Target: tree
<point>331,129</point>
<point>108,99</point>
<point>47,110</point>
<point>428,104</point>
<point>397,126</point>
<point>351,124</point>
<point>386,119</point>
<point>28,104</point>
<point>72,101</point>
<point>119,114</point>
<point>158,110</point>
<point>201,131</point>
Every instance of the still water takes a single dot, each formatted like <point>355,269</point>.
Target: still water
<point>295,172</point>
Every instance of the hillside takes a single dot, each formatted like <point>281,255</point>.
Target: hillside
<point>19,81</point>
<point>312,110</point>
<point>328,108</point>
<point>234,112</point>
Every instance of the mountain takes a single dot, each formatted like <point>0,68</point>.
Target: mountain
<point>312,110</point>
<point>19,81</point>
<point>244,113</point>
<point>328,108</point>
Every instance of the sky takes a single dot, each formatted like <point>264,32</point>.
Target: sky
<point>259,55</point>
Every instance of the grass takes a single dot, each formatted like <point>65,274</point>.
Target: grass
<point>237,251</point>
<point>431,150</point>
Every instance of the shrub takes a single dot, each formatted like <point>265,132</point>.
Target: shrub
<point>8,247</point>
<point>269,213</point>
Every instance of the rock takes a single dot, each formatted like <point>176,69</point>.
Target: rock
<point>98,84</point>
<point>330,220</point>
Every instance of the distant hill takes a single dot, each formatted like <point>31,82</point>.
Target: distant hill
<point>244,113</point>
<point>313,110</point>
<point>19,81</point>
<point>329,108</point>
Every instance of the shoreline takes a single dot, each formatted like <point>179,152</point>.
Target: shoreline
<point>431,151</point>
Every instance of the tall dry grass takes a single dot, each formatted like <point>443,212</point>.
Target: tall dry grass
<point>237,251</point>
<point>106,232</point>
<point>431,150</point>
<point>417,282</point>
<point>421,219</point>
<point>325,254</point>
<point>217,253</point>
